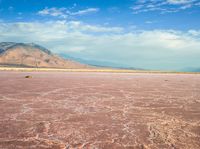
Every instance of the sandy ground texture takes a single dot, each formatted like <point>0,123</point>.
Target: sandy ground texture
<point>77,110</point>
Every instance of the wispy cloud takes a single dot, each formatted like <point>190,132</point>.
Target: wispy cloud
<point>150,22</point>
<point>64,12</point>
<point>77,25</point>
<point>179,1</point>
<point>163,6</point>
<point>10,8</point>
<point>55,12</point>
<point>85,11</point>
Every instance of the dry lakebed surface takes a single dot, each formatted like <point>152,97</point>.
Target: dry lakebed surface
<point>91,110</point>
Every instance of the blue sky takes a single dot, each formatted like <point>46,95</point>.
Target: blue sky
<point>150,34</point>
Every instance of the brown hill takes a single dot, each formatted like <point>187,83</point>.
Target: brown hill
<point>32,55</point>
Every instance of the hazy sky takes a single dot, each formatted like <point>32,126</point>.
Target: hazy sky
<point>150,34</point>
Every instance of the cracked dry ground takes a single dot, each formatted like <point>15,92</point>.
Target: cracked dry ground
<point>99,110</point>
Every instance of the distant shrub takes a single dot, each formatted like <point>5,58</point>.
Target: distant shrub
<point>28,76</point>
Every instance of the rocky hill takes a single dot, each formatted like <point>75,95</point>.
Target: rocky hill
<point>33,55</point>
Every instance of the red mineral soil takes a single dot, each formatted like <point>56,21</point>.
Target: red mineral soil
<point>72,110</point>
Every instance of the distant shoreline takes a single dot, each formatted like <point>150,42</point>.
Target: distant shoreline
<point>110,70</point>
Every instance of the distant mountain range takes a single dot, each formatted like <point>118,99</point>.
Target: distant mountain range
<point>191,69</point>
<point>33,55</point>
<point>98,63</point>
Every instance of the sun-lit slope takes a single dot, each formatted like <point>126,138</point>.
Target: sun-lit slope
<point>32,55</point>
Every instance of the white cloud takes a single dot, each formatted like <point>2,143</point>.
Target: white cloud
<point>186,6</point>
<point>178,1</point>
<point>163,6</point>
<point>61,12</point>
<point>10,8</point>
<point>85,11</point>
<point>194,32</point>
<point>138,7</point>
<point>155,49</point>
<point>64,12</point>
<point>149,22</point>
<point>76,25</point>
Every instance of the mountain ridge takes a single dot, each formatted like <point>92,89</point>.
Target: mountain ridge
<point>33,55</point>
<point>7,45</point>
